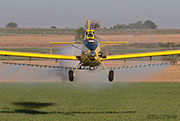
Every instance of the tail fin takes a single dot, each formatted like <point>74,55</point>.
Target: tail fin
<point>89,24</point>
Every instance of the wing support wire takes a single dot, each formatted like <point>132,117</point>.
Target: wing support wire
<point>104,44</point>
<point>77,47</point>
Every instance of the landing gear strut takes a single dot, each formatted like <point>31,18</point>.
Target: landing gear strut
<point>111,75</point>
<point>72,73</point>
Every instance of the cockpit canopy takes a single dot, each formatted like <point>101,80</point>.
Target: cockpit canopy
<point>90,35</point>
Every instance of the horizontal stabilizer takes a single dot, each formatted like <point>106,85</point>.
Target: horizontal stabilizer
<point>65,43</point>
<point>113,42</point>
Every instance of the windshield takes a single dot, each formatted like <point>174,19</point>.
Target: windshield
<point>90,34</point>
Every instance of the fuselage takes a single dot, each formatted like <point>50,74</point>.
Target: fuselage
<point>91,50</point>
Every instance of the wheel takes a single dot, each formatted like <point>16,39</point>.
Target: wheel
<point>71,76</point>
<point>111,75</point>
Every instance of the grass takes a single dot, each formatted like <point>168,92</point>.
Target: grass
<point>82,102</point>
<point>43,31</point>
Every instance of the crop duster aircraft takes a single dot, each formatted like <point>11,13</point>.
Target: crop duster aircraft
<point>91,58</point>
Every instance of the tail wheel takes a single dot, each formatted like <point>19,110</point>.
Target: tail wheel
<point>111,75</point>
<point>71,76</point>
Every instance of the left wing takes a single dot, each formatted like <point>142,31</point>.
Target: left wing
<point>141,55</point>
<point>38,55</point>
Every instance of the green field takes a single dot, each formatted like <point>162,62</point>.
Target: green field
<point>43,31</point>
<point>89,102</point>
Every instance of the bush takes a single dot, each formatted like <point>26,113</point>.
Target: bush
<point>12,25</point>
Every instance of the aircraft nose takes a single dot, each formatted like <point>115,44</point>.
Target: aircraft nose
<point>92,54</point>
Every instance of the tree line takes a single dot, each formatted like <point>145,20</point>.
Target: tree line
<point>138,25</point>
<point>95,25</point>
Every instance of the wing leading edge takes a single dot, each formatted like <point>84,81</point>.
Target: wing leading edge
<point>38,55</point>
<point>141,55</point>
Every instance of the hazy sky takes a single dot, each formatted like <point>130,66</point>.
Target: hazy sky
<point>74,13</point>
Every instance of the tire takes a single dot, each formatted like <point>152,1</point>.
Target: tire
<point>71,76</point>
<point>111,75</point>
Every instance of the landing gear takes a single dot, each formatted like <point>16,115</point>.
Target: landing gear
<point>71,75</point>
<point>111,75</point>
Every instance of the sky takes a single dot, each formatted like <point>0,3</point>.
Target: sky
<point>74,13</point>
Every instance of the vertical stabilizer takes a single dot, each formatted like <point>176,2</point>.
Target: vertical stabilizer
<point>89,24</point>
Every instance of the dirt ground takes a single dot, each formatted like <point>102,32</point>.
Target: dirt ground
<point>170,74</point>
<point>143,38</point>
<point>32,40</point>
<point>43,41</point>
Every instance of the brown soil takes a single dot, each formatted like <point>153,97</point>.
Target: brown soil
<point>43,41</point>
<point>32,40</point>
<point>170,74</point>
<point>142,38</point>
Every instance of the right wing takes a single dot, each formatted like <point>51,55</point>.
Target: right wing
<point>103,44</point>
<point>38,55</point>
<point>113,42</point>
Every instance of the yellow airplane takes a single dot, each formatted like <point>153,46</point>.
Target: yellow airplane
<point>91,58</point>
